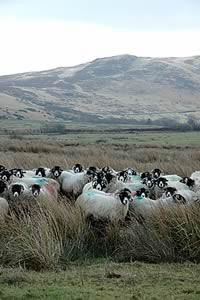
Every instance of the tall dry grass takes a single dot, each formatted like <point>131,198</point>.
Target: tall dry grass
<point>49,235</point>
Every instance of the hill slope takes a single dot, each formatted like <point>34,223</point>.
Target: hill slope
<point>124,87</point>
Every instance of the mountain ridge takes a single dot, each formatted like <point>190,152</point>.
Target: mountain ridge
<point>123,87</point>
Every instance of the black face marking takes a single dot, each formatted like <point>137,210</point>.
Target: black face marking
<point>100,184</point>
<point>78,168</point>
<point>161,182</point>
<point>5,175</point>
<point>156,173</point>
<point>99,175</point>
<point>179,199</point>
<point>3,186</point>
<point>142,193</point>
<point>131,172</point>
<point>109,177</point>
<point>170,191</point>
<point>188,181</point>
<point>18,173</point>
<point>92,169</point>
<point>107,169</point>
<point>56,171</point>
<point>35,189</point>
<point>122,176</point>
<point>149,182</point>
<point>17,190</point>
<point>125,196</point>
<point>91,175</point>
<point>145,175</point>
<point>2,168</point>
<point>40,172</point>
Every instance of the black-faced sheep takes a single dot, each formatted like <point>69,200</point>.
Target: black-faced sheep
<point>105,206</point>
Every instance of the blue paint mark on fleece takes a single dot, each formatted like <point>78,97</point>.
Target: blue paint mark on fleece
<point>138,198</point>
<point>39,181</point>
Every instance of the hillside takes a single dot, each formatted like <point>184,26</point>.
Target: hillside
<point>123,87</point>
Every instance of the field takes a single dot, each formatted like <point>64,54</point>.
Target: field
<point>104,280</point>
<point>60,256</point>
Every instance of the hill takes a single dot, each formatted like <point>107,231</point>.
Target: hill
<point>118,88</point>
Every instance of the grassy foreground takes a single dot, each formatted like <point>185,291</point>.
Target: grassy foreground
<point>53,240</point>
<point>105,280</point>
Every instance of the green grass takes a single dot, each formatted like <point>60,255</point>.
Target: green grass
<point>160,139</point>
<point>104,280</point>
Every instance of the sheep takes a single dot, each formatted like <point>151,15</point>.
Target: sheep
<point>172,177</point>
<point>72,184</point>
<point>144,175</point>
<point>185,197</point>
<point>180,196</point>
<point>131,172</point>
<point>6,176</point>
<point>169,192</point>
<point>98,183</point>
<point>134,178</point>
<point>106,182</point>
<point>46,191</point>
<point>55,172</point>
<point>78,168</point>
<point>29,181</point>
<point>2,168</point>
<point>143,206</point>
<point>17,172</point>
<point>105,206</point>
<point>108,169</point>
<point>160,184</point>
<point>195,175</point>
<point>149,183</point>
<point>178,185</point>
<point>133,183</point>
<point>4,207</point>
<point>42,172</point>
<point>122,176</point>
<point>188,181</point>
<point>92,169</point>
<point>193,181</point>
<point>3,189</point>
<point>156,173</point>
<point>18,191</point>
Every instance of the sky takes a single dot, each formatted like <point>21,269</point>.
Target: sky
<point>44,34</point>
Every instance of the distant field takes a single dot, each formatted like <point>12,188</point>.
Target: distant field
<point>104,134</point>
<point>137,139</point>
<point>16,125</point>
<point>162,139</point>
<point>104,281</point>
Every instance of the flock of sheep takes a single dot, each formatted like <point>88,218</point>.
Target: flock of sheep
<point>101,193</point>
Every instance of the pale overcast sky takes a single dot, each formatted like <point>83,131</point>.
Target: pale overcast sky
<point>44,34</point>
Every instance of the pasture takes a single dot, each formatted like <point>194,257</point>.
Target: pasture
<point>77,261</point>
<point>104,280</point>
